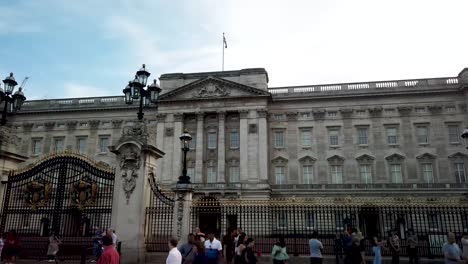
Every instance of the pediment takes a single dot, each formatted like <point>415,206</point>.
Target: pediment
<point>336,158</point>
<point>365,157</point>
<point>426,156</point>
<point>458,155</point>
<point>307,158</point>
<point>212,88</point>
<point>395,157</point>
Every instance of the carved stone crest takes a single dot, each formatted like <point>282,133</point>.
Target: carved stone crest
<point>137,131</point>
<point>83,193</point>
<point>211,90</point>
<point>129,164</point>
<point>37,193</point>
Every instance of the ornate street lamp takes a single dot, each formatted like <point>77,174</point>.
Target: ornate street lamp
<point>185,138</point>
<point>135,90</point>
<point>12,101</point>
<point>464,137</point>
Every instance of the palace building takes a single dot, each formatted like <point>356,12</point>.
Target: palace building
<point>374,145</point>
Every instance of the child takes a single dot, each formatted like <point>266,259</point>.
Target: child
<point>377,249</point>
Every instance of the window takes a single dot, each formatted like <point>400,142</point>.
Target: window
<point>104,144</point>
<point>389,111</point>
<point>36,146</point>
<point>454,134</point>
<point>193,142</point>
<point>212,140</point>
<point>211,175</point>
<point>234,174</point>
<point>279,175</point>
<point>279,139</point>
<point>305,115</point>
<point>191,172</point>
<point>59,144</point>
<point>366,173</point>
<point>306,137</point>
<point>332,114</point>
<point>81,144</point>
<point>310,220</point>
<point>337,174</point>
<point>234,139</point>
<point>362,135</point>
<point>307,174</point>
<point>460,175</point>
<point>422,134</point>
<point>395,173</point>
<point>282,219</point>
<point>333,137</point>
<point>427,173</point>
<point>392,136</point>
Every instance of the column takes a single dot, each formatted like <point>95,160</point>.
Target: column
<point>199,149</point>
<point>243,130</point>
<point>161,119</point>
<point>262,145</point>
<point>48,144</point>
<point>221,147</point>
<point>177,153</point>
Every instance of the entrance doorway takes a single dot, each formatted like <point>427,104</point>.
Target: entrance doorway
<point>369,221</point>
<point>209,216</point>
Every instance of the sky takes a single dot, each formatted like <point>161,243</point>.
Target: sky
<point>85,48</point>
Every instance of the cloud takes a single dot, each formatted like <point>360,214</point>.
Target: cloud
<point>76,90</point>
<point>16,20</point>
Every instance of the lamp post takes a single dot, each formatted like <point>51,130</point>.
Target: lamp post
<point>185,138</point>
<point>12,101</point>
<point>135,90</point>
<point>464,137</point>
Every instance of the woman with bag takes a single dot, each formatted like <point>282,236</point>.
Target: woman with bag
<point>249,254</point>
<point>279,254</point>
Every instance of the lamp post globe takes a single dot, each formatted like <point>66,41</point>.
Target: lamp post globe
<point>135,90</point>
<point>12,102</point>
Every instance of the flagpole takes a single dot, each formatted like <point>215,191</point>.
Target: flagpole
<point>223,52</point>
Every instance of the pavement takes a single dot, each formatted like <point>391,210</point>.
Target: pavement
<point>160,258</point>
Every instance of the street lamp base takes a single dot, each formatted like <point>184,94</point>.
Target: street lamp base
<point>184,180</point>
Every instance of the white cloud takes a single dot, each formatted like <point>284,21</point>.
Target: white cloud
<point>76,90</point>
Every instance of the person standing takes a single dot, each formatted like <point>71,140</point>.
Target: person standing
<point>356,251</point>
<point>464,243</point>
<point>213,249</point>
<point>11,247</point>
<point>1,243</point>
<point>97,244</point>
<point>412,247</point>
<point>200,234</point>
<point>337,248</point>
<point>249,254</point>
<point>228,245</point>
<point>451,250</point>
<point>377,250</point>
<point>53,248</point>
<point>187,250</point>
<point>393,242</point>
<point>279,254</point>
<point>110,255</point>
<point>174,256</point>
<point>316,248</point>
<point>240,246</point>
<point>200,257</point>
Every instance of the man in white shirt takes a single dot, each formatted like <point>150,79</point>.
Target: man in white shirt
<point>174,256</point>
<point>213,249</point>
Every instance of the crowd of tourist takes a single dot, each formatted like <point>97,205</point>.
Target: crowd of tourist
<point>235,248</point>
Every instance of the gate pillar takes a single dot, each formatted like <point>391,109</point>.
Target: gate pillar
<point>136,160</point>
<point>182,212</point>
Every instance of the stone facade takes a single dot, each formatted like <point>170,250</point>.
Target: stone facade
<point>251,141</point>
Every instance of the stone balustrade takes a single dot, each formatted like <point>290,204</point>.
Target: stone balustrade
<point>291,91</point>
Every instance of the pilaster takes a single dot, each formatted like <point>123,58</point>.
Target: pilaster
<point>177,150</point>
<point>221,147</point>
<point>262,145</point>
<point>243,129</point>
<point>161,119</point>
<point>199,149</point>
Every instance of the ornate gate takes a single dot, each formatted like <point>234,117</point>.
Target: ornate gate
<point>159,218</point>
<point>68,194</point>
